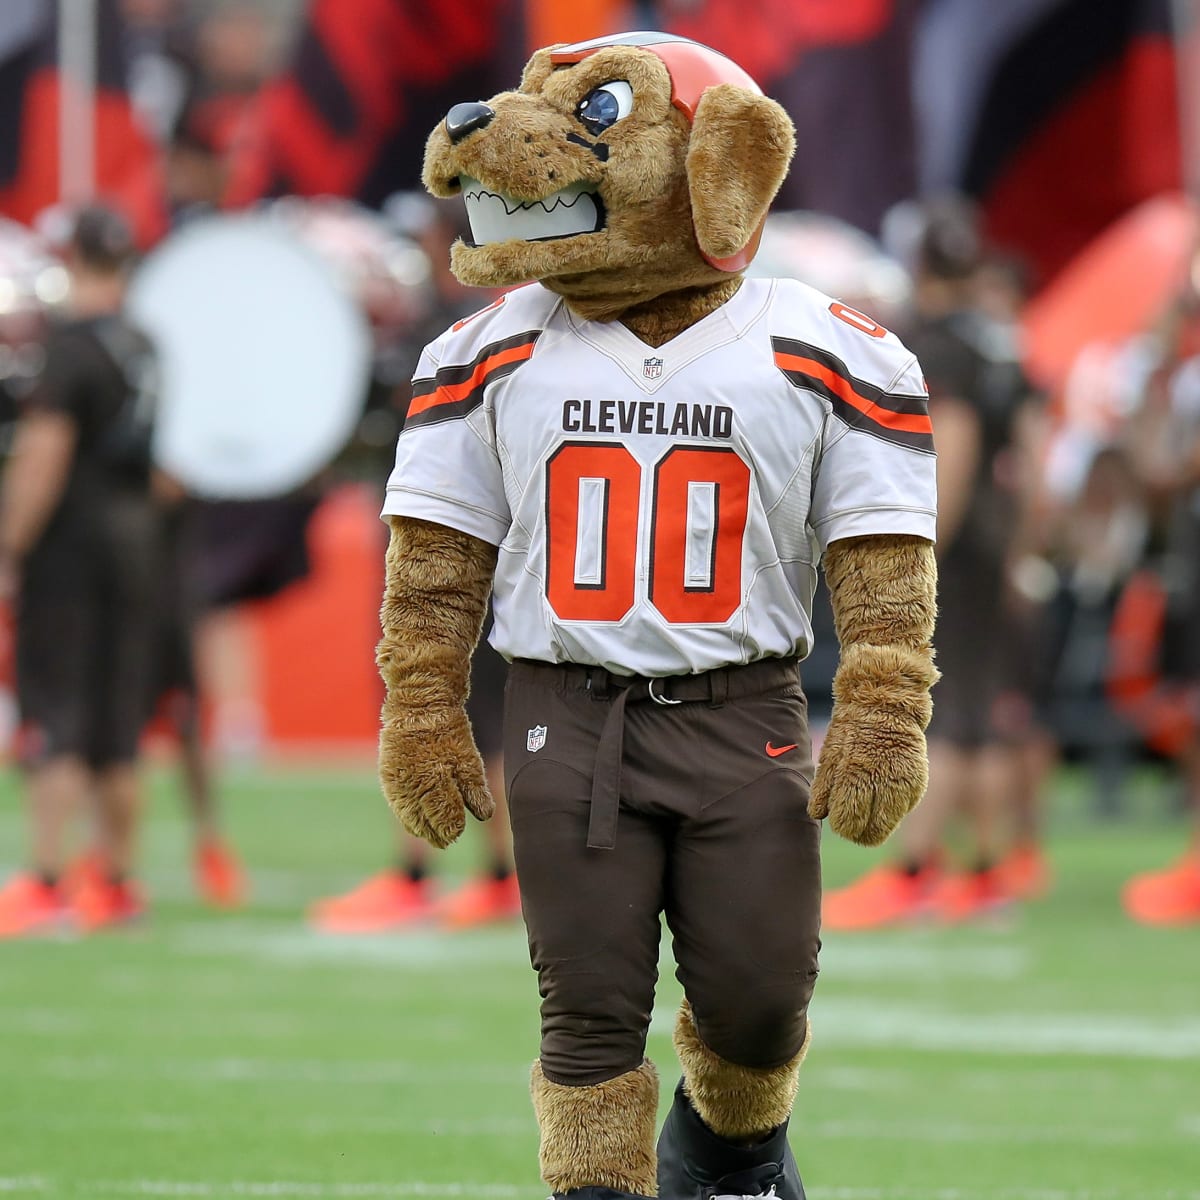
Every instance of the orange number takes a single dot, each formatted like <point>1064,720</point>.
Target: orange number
<point>593,493</point>
<point>700,502</point>
<point>697,525</point>
<point>856,319</point>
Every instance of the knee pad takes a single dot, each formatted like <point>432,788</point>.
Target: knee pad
<point>760,1034</point>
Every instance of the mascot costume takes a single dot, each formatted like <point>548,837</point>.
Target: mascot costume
<point>644,457</point>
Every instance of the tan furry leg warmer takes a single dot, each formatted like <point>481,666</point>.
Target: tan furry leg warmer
<point>734,1102</point>
<point>599,1136</point>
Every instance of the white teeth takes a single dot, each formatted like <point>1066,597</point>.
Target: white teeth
<point>495,217</point>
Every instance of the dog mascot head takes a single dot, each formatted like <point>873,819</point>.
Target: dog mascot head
<point>621,169</point>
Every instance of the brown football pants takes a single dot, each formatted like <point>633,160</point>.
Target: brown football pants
<point>712,773</point>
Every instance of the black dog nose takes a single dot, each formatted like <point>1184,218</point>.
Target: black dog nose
<point>466,118</point>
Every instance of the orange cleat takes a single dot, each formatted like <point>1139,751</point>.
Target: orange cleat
<point>1025,873</point>
<point>219,877</point>
<point>967,895</point>
<point>388,900</point>
<point>1168,897</point>
<point>89,870</point>
<point>29,906</point>
<point>108,905</point>
<point>480,902</point>
<point>888,895</point>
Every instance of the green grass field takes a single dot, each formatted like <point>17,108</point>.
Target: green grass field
<point>1051,1056</point>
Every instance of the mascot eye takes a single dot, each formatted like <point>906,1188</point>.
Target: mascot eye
<point>604,106</point>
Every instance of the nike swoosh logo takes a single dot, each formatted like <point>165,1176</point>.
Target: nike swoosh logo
<point>776,751</point>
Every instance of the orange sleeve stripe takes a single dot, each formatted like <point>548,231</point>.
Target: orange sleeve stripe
<point>448,393</point>
<point>842,387</point>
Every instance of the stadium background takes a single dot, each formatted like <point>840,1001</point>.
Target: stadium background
<point>1050,1052</point>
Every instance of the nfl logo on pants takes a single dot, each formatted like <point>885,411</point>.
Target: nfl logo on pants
<point>652,367</point>
<point>535,739</point>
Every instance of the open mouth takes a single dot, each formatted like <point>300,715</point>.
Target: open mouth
<point>495,217</point>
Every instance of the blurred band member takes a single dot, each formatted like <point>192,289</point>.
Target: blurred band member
<point>976,394</point>
<point>403,894</point>
<point>1166,456</point>
<point>78,534</point>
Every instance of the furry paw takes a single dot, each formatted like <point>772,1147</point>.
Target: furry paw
<point>431,773</point>
<point>874,764</point>
<point>873,771</point>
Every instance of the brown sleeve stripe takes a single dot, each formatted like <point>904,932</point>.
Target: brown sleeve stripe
<point>900,419</point>
<point>457,390</point>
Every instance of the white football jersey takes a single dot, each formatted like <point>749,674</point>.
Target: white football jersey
<point>663,511</point>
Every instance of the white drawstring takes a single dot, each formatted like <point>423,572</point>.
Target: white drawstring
<point>757,1196</point>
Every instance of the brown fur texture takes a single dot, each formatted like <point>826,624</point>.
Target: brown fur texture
<point>435,596</point>
<point>657,321</point>
<point>663,184</point>
<point>737,157</point>
<point>599,1136</point>
<point>874,766</point>
<point>738,1103</point>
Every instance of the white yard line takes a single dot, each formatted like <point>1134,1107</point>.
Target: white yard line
<point>1102,1035</point>
<point>859,1025</point>
<point>902,1193</point>
<point>262,1070</point>
<point>171,1123</point>
<point>494,1191</point>
<point>914,958</point>
<point>291,944</point>
<point>929,1131</point>
<point>283,1188</point>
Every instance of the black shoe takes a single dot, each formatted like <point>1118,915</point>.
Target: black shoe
<point>695,1164</point>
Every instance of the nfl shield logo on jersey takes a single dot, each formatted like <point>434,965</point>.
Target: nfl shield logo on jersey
<point>652,367</point>
<point>536,739</point>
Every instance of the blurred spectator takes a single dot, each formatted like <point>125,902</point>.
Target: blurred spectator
<point>160,53</point>
<point>237,51</point>
<point>1002,285</point>
<point>175,695</point>
<point>1165,454</point>
<point>845,263</point>
<point>403,894</point>
<point>116,161</point>
<point>192,71</point>
<point>78,537</point>
<point>976,395</point>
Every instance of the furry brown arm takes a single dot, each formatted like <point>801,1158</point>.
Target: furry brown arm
<point>874,766</point>
<point>434,599</point>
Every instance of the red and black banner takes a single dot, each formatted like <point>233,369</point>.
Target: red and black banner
<point>841,68</point>
<point>1058,115</point>
<point>368,80</point>
<point>30,93</point>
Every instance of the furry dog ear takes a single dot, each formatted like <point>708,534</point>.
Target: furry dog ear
<point>538,69</point>
<point>738,155</point>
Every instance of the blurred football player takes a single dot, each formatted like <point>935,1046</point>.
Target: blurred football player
<point>78,536</point>
<point>404,894</point>
<point>1166,454</point>
<point>976,394</point>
